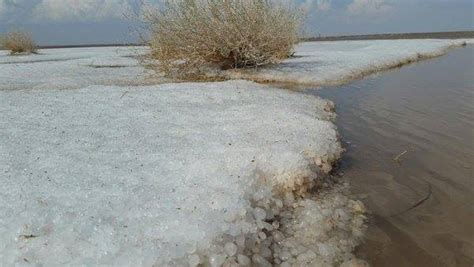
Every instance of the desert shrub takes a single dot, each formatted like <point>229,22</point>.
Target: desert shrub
<point>188,36</point>
<point>18,42</point>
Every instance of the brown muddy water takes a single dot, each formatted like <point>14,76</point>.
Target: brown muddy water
<point>409,135</point>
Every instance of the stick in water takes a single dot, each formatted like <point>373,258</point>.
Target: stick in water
<point>399,157</point>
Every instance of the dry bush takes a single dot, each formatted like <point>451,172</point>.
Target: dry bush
<point>18,42</point>
<point>187,36</point>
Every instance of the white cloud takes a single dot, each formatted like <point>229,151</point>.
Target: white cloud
<point>323,5</point>
<point>369,7</point>
<point>13,8</point>
<point>320,5</point>
<point>81,10</point>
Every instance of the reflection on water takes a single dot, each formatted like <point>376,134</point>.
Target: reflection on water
<point>409,136</point>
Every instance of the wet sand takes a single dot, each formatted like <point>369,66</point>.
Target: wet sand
<point>409,135</point>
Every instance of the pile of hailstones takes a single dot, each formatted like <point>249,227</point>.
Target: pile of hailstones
<point>292,230</point>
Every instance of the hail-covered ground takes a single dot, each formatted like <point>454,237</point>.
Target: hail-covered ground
<point>96,169</point>
<point>335,63</point>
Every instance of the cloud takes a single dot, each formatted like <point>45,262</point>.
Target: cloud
<point>323,5</point>
<point>14,9</point>
<point>81,10</point>
<point>319,5</point>
<point>369,7</point>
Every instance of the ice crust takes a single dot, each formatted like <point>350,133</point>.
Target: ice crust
<point>314,64</point>
<point>169,174</point>
<point>72,68</point>
<point>230,173</point>
<point>334,63</point>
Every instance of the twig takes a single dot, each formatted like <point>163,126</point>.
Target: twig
<point>399,157</point>
<point>430,192</point>
<point>28,236</point>
<point>124,93</point>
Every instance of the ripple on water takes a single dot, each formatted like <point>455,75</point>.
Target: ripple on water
<point>422,206</point>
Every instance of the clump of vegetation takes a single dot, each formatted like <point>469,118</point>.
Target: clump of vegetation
<point>18,42</point>
<point>188,36</point>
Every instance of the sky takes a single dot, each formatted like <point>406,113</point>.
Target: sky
<point>66,22</point>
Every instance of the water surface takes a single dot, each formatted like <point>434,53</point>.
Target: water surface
<point>409,135</point>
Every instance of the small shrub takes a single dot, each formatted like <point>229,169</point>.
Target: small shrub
<point>189,35</point>
<point>18,42</point>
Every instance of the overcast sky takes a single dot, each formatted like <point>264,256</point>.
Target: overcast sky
<point>55,22</point>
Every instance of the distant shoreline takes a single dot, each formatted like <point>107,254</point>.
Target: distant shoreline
<point>385,36</point>
<point>87,45</point>
<point>395,36</point>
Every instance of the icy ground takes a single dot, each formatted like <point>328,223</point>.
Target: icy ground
<point>177,174</point>
<point>144,175</point>
<point>72,68</point>
<point>334,63</point>
<point>314,63</point>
